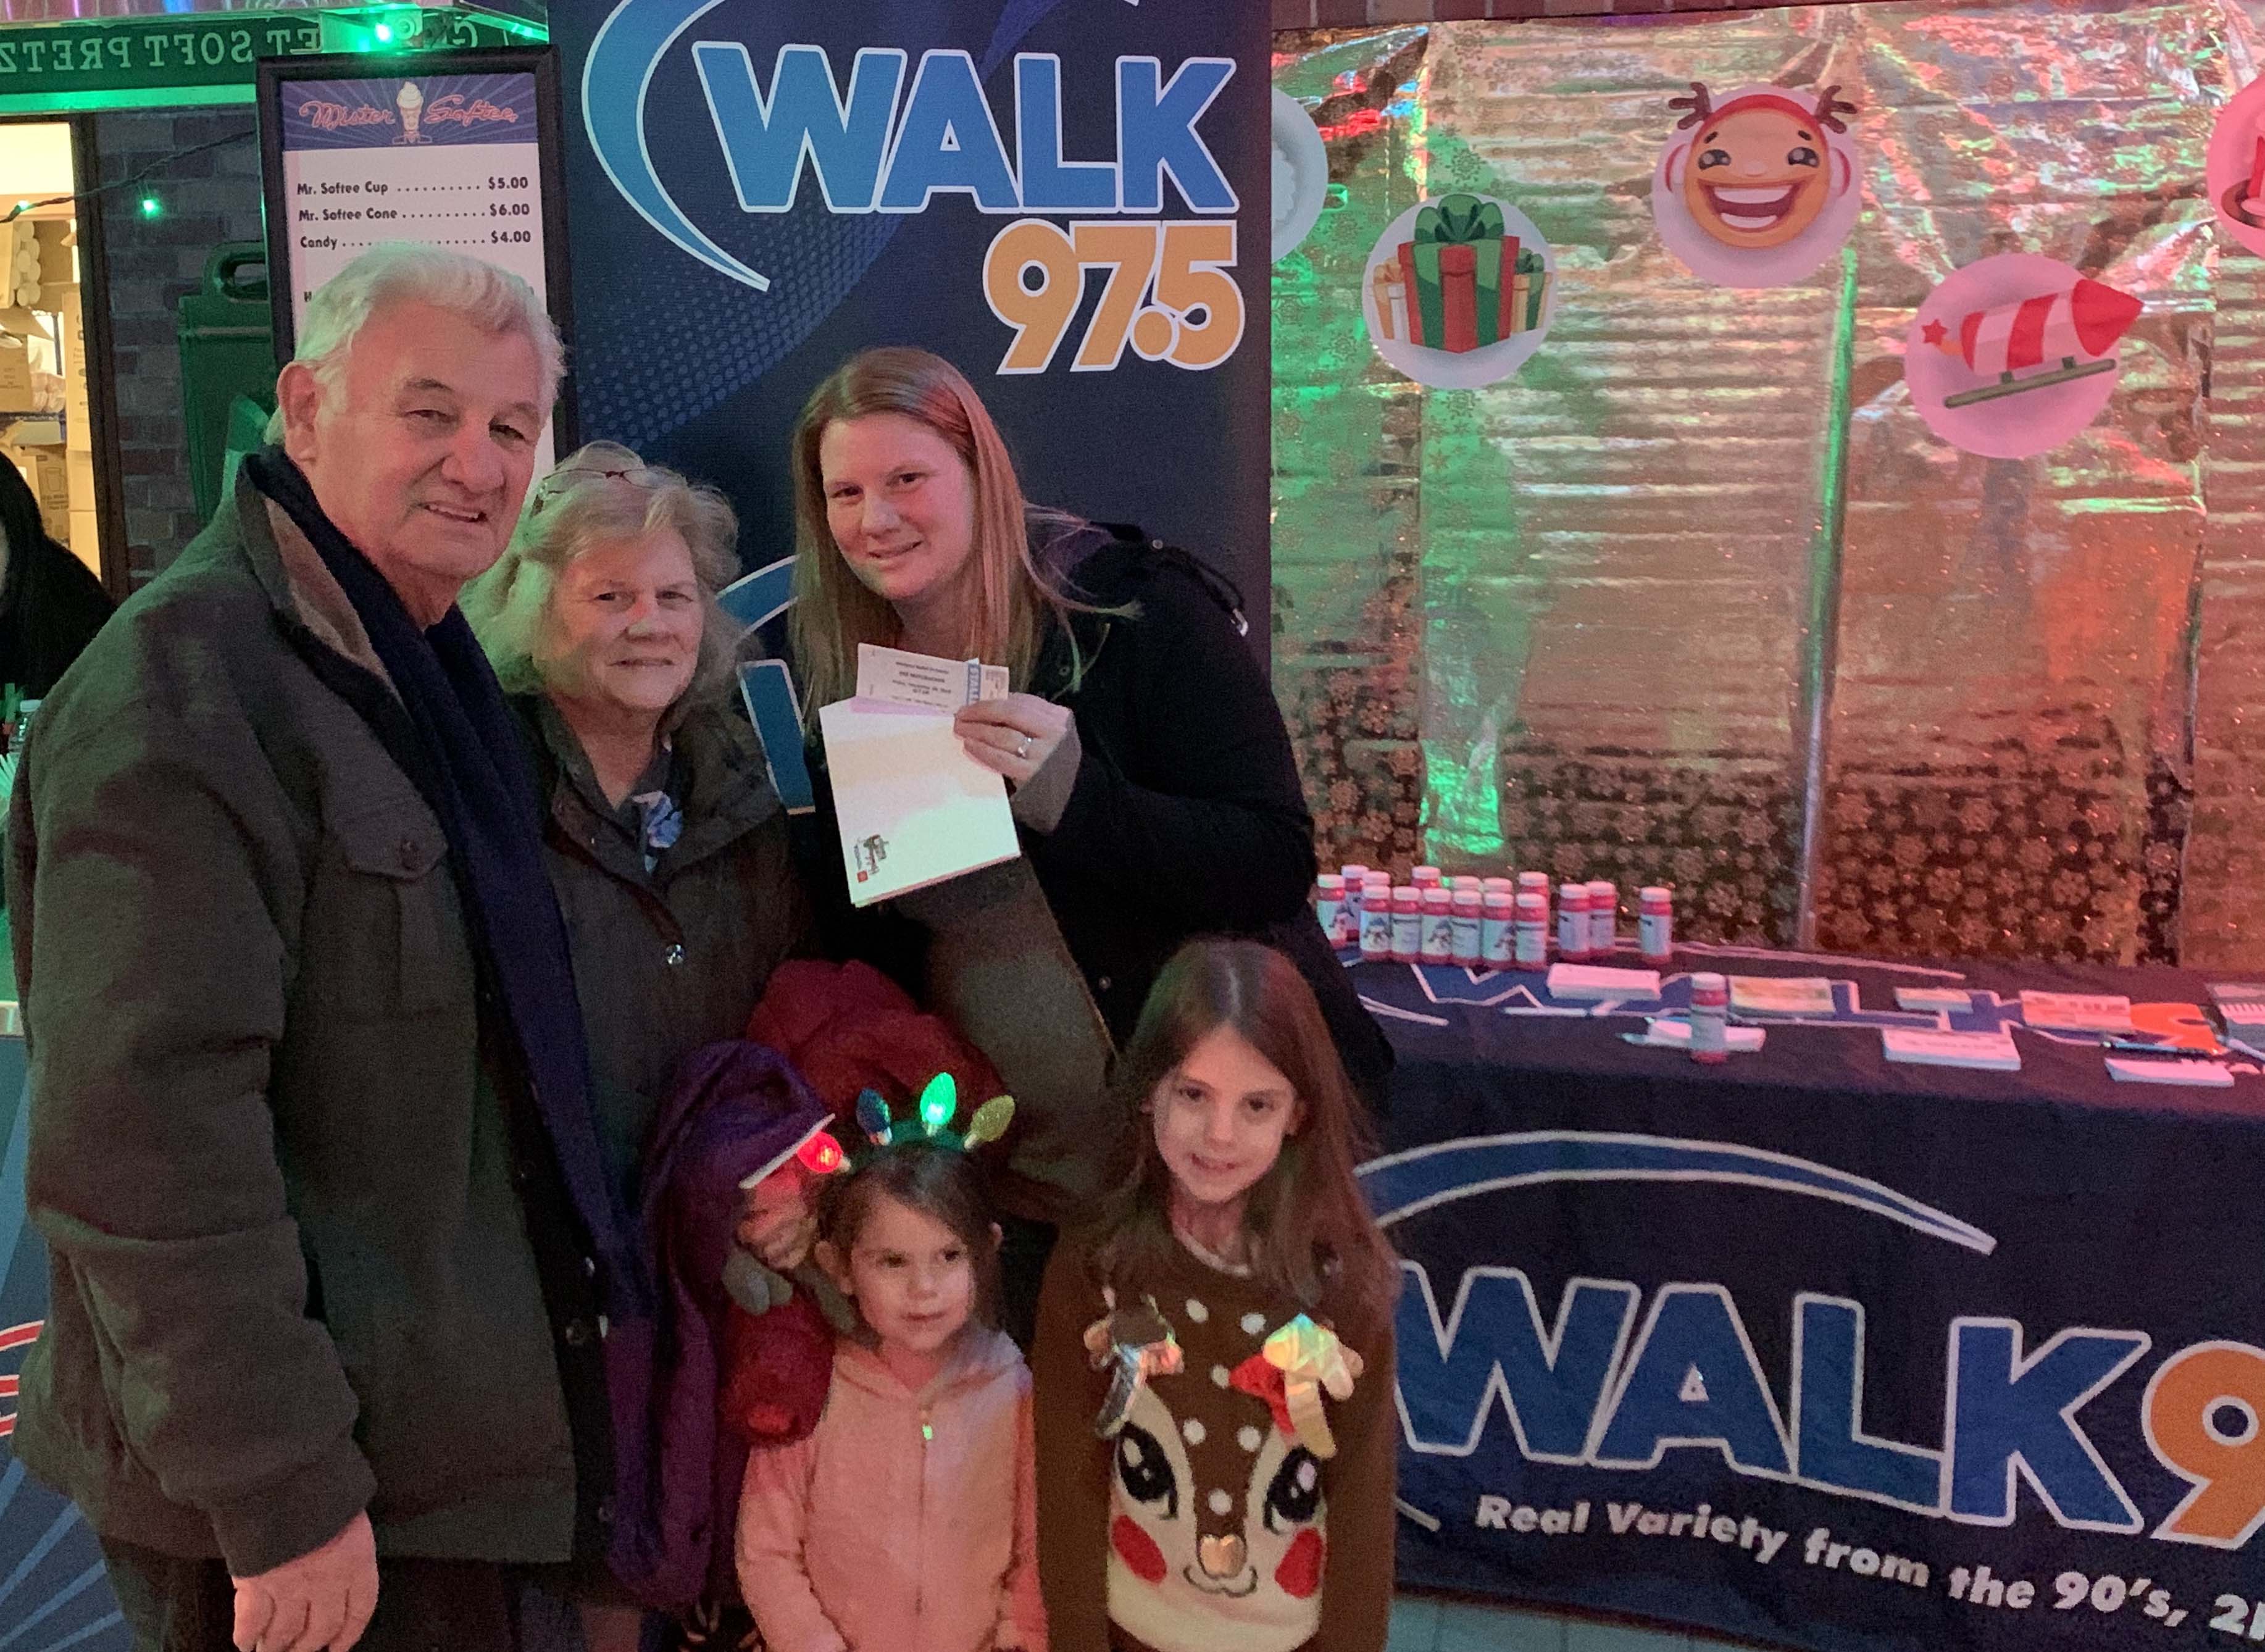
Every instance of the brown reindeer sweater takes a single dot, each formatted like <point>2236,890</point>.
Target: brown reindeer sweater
<point>1205,1523</point>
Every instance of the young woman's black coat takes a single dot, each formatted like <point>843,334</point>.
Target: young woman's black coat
<point>1187,817</point>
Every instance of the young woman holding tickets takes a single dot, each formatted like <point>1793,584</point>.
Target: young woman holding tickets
<point>1152,778</point>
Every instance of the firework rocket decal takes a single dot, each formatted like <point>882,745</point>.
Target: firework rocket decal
<point>2066,335</point>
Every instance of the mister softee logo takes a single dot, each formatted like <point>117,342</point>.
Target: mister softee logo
<point>897,133</point>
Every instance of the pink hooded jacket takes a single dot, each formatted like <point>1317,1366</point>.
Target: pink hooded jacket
<point>865,1537</point>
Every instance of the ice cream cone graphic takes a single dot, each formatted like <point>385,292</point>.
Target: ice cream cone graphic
<point>410,102</point>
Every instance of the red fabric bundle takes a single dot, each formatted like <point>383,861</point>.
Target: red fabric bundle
<point>776,1371</point>
<point>848,1028</point>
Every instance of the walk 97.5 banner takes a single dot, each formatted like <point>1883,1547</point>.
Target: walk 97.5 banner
<point>1068,197</point>
<point>1821,1350</point>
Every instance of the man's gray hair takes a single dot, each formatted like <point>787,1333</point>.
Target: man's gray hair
<point>404,272</point>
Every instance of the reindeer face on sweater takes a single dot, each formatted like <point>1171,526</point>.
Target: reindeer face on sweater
<point>1218,1520</point>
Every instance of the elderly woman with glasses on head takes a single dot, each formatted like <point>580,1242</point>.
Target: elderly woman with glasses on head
<point>664,839</point>
<point>666,844</point>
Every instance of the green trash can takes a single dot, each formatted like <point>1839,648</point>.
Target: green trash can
<point>247,433</point>
<point>228,368</point>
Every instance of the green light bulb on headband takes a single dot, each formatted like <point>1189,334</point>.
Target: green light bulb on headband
<point>938,1103</point>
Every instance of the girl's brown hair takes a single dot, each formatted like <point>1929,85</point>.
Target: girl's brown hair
<point>942,1184</point>
<point>833,610</point>
<point>1311,1236</point>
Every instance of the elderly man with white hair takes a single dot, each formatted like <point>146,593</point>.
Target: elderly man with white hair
<point>331,1245</point>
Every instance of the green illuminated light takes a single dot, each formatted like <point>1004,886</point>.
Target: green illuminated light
<point>125,98</point>
<point>384,31</point>
<point>152,208</point>
<point>538,33</point>
<point>939,1101</point>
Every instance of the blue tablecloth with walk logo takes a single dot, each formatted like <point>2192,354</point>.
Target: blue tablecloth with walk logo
<point>1818,1349</point>
<point>1809,1348</point>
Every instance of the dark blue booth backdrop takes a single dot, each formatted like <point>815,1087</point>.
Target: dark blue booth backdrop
<point>680,355</point>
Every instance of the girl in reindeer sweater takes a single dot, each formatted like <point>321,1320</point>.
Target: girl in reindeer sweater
<point>1214,1362</point>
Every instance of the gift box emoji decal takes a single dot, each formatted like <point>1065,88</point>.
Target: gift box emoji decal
<point>1459,276</point>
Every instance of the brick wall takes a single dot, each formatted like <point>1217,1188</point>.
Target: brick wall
<point>1338,14</point>
<point>208,198</point>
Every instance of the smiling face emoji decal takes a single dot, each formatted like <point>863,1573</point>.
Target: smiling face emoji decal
<point>1757,176</point>
<point>1755,191</point>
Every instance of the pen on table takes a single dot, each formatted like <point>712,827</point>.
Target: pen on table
<point>2133,1046</point>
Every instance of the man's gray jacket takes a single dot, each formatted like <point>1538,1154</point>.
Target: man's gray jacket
<point>291,1276</point>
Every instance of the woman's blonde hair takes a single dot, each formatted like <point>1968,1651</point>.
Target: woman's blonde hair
<point>602,492</point>
<point>833,610</point>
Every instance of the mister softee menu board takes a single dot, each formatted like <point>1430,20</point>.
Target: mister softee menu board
<point>435,150</point>
<point>448,160</point>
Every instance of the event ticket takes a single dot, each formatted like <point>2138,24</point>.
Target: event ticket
<point>1990,1052</point>
<point>1675,1034</point>
<point>898,677</point>
<point>2214,1075</point>
<point>1781,995</point>
<point>1953,1000</point>
<point>1598,984</point>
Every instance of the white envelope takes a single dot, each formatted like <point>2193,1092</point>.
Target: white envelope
<point>914,808</point>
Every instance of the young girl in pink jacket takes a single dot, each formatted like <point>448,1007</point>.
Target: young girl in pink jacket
<point>905,1522</point>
